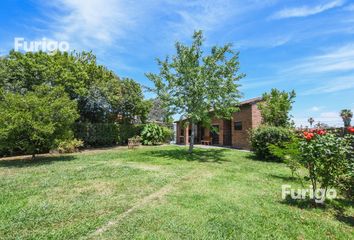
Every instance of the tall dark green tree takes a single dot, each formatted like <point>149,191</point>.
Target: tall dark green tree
<point>131,105</point>
<point>192,83</point>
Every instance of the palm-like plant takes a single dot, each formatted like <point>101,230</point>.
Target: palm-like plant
<point>346,115</point>
<point>311,121</point>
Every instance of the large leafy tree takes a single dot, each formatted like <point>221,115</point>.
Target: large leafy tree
<point>100,94</point>
<point>131,104</point>
<point>192,83</point>
<point>94,87</point>
<point>276,106</point>
<point>35,121</point>
<point>159,112</point>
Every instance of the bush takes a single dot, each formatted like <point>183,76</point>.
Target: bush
<point>127,131</point>
<point>262,137</point>
<point>106,134</point>
<point>289,153</point>
<point>97,134</point>
<point>33,122</point>
<point>152,134</point>
<point>327,158</point>
<point>167,134</point>
<point>69,146</point>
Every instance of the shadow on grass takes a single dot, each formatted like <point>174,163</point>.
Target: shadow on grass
<point>338,206</point>
<point>285,178</point>
<point>254,157</point>
<point>36,162</point>
<point>208,155</point>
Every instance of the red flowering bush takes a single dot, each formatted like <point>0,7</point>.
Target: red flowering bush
<point>326,157</point>
<point>309,135</point>
<point>350,130</point>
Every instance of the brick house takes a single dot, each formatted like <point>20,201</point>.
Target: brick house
<point>233,133</point>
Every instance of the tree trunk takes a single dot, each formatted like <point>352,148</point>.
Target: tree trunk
<point>191,142</point>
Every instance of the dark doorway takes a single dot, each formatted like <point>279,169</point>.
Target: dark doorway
<point>227,133</point>
<point>214,133</point>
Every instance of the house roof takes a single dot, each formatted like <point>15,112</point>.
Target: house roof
<point>248,101</point>
<point>251,101</point>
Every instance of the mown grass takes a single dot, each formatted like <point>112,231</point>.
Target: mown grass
<point>212,194</point>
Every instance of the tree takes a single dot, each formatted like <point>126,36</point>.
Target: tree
<point>92,86</point>
<point>159,112</point>
<point>276,106</point>
<point>192,84</point>
<point>131,103</point>
<point>35,121</point>
<point>346,115</point>
<point>311,121</point>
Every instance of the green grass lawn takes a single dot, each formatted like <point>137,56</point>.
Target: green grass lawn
<point>159,193</point>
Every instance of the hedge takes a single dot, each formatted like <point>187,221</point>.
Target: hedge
<point>106,134</point>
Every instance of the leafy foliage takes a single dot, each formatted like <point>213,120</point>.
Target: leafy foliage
<point>265,136</point>
<point>276,106</point>
<point>106,134</point>
<point>289,153</point>
<point>33,122</point>
<point>167,134</point>
<point>131,102</point>
<point>69,146</point>
<point>159,112</point>
<point>152,134</point>
<point>100,94</point>
<point>192,84</point>
<point>346,115</point>
<point>325,156</point>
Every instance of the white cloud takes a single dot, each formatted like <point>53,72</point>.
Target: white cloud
<point>92,23</point>
<point>337,60</point>
<point>316,109</point>
<point>335,85</point>
<point>306,10</point>
<point>209,15</point>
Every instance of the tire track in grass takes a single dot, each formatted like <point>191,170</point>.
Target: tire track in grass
<point>158,195</point>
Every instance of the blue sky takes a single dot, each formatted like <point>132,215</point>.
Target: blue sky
<point>303,45</point>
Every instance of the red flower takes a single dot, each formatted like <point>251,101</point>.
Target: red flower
<point>321,132</point>
<point>350,129</point>
<point>308,136</point>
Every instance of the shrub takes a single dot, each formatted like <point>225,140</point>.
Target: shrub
<point>126,131</point>
<point>152,134</point>
<point>167,134</point>
<point>289,153</point>
<point>97,134</point>
<point>264,136</point>
<point>326,157</point>
<point>69,146</point>
<point>33,122</point>
<point>346,180</point>
<point>106,134</point>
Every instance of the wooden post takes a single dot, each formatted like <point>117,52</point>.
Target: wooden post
<point>186,135</point>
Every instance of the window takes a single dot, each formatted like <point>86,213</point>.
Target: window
<point>182,132</point>
<point>238,126</point>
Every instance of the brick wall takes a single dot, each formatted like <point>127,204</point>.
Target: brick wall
<point>250,117</point>
<point>256,116</point>
<point>240,138</point>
